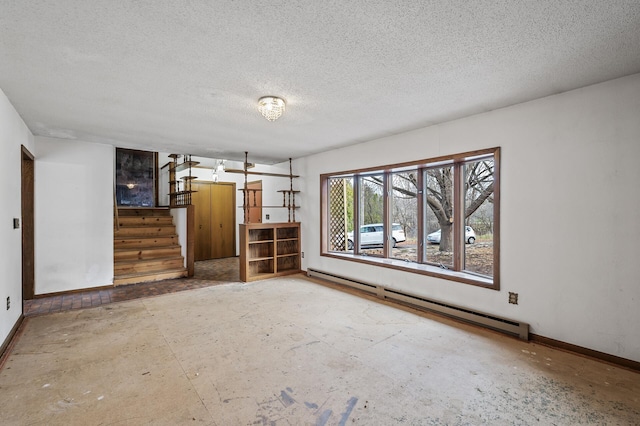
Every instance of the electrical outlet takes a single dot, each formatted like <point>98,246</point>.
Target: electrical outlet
<point>266,216</point>
<point>8,302</point>
<point>513,298</point>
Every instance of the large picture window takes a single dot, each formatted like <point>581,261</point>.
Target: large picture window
<point>437,217</point>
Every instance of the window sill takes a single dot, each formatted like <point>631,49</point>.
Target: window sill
<point>417,268</point>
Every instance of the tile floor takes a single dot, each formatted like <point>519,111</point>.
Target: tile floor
<point>207,273</point>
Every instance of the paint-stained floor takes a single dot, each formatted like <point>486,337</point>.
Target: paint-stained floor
<point>293,352</point>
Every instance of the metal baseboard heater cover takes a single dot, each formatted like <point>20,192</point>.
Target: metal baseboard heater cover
<point>508,326</point>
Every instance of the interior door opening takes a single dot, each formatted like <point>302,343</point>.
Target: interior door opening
<point>27,207</point>
<point>255,201</point>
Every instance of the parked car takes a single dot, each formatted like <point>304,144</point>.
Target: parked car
<point>373,235</point>
<point>469,236</point>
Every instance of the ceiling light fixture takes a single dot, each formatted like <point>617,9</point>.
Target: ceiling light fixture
<point>271,107</point>
<point>217,169</point>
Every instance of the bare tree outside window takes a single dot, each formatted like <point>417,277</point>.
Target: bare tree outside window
<point>404,215</point>
<point>478,205</point>
<point>371,204</point>
<point>440,213</point>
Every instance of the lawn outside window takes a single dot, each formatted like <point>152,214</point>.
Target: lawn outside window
<point>437,217</point>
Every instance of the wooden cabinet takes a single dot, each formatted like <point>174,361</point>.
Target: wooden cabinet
<point>269,250</point>
<point>215,220</point>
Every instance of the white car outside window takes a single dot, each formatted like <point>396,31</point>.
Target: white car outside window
<point>469,236</point>
<point>373,235</point>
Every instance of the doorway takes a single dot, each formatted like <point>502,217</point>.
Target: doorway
<point>215,220</point>
<point>28,249</point>
<point>255,201</point>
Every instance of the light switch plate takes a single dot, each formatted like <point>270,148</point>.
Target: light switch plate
<point>16,223</point>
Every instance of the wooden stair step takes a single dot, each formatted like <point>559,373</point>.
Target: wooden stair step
<point>134,266</point>
<point>151,252</point>
<point>146,241</point>
<point>145,220</point>
<point>144,212</point>
<point>146,246</point>
<point>145,230</point>
<point>148,277</point>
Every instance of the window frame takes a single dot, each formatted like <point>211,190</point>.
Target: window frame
<point>357,195</point>
<point>457,273</point>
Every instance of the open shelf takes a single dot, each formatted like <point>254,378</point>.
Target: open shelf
<point>185,165</point>
<point>289,254</point>
<point>288,264</point>
<point>261,269</point>
<point>260,251</point>
<point>260,235</point>
<point>260,173</point>
<point>269,250</point>
<point>287,247</point>
<point>288,232</point>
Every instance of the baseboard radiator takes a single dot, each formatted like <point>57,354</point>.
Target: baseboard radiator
<point>508,326</point>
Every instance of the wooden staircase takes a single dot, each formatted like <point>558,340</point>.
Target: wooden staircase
<point>146,247</point>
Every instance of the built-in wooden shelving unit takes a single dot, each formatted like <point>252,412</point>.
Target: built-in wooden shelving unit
<point>269,250</point>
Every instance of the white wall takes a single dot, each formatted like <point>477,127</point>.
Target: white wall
<point>73,215</point>
<point>180,221</point>
<point>13,134</point>
<point>569,215</point>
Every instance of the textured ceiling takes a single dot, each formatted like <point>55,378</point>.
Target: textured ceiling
<point>185,76</point>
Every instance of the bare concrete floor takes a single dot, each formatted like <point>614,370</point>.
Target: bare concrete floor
<point>292,352</point>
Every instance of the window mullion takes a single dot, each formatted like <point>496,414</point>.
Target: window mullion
<point>356,214</point>
<point>421,226</point>
<point>386,216</point>
<point>458,216</point>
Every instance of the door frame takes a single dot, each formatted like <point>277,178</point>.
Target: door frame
<point>27,172</point>
<point>254,210</point>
